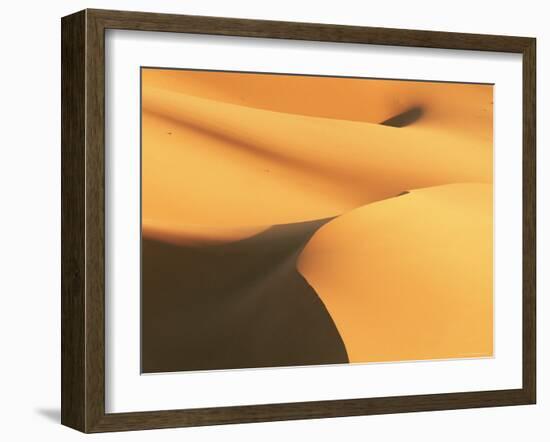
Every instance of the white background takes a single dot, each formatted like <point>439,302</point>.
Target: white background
<point>127,391</point>
<point>30,219</point>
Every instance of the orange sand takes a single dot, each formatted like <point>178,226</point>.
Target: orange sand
<point>409,277</point>
<point>211,158</point>
<point>226,155</point>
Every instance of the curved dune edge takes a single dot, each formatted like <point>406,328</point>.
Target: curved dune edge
<point>409,278</point>
<point>458,107</point>
<point>271,230</point>
<point>237,305</point>
<point>181,234</point>
<point>211,163</point>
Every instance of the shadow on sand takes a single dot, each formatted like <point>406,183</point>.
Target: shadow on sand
<point>236,305</point>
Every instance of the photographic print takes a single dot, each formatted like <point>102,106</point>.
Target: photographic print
<point>292,220</point>
<point>268,221</point>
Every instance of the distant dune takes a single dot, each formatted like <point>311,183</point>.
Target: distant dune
<point>240,170</point>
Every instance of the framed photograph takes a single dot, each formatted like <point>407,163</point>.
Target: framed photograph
<point>270,220</point>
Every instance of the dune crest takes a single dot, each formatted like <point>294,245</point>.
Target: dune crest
<point>409,277</point>
<point>457,107</point>
<point>304,220</point>
<point>213,163</point>
<point>237,305</point>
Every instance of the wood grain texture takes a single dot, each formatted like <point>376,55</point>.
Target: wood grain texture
<point>83,219</point>
<point>146,21</point>
<point>95,221</point>
<point>73,398</point>
<point>529,220</point>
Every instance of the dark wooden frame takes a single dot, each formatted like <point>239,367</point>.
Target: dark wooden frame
<point>83,216</point>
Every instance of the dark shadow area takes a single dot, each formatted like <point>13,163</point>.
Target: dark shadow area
<point>51,414</point>
<point>236,305</point>
<point>405,118</point>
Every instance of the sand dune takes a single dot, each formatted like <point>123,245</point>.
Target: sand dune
<point>236,305</point>
<point>298,220</point>
<point>457,107</point>
<point>409,277</point>
<point>238,157</point>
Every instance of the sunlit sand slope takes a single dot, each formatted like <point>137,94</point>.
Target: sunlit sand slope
<point>464,108</point>
<point>210,163</point>
<point>302,220</point>
<point>409,277</point>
